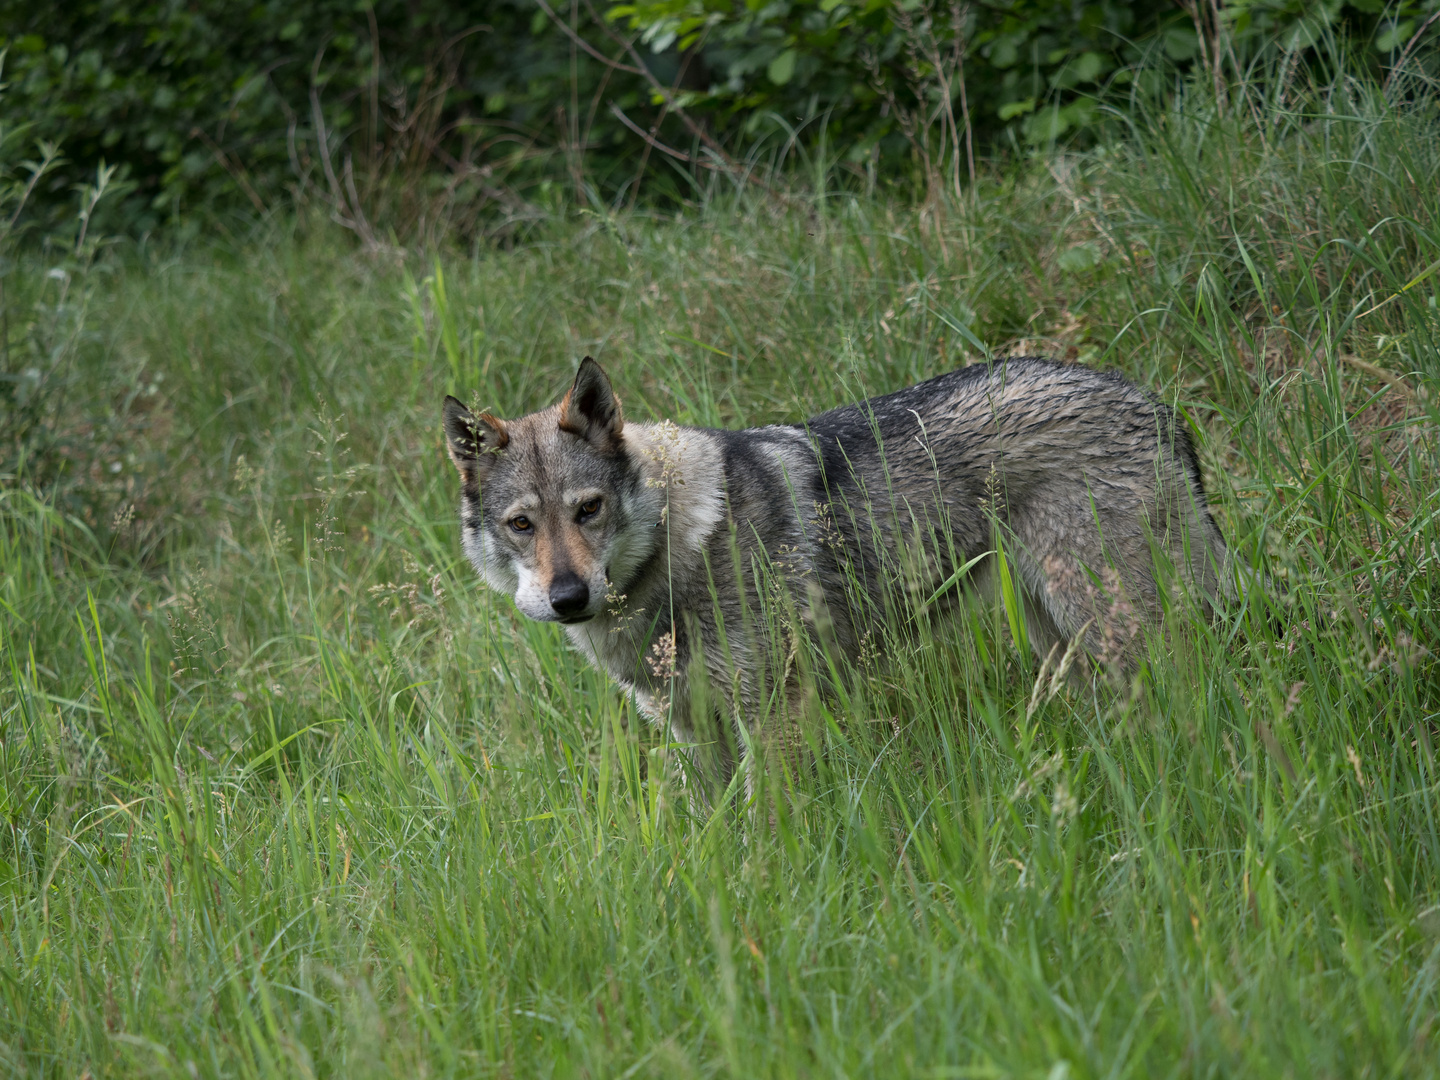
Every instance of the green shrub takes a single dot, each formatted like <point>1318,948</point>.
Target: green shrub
<point>476,112</point>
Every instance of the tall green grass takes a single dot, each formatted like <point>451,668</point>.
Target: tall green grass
<point>287,793</point>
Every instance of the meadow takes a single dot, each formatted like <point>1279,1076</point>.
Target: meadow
<point>287,792</point>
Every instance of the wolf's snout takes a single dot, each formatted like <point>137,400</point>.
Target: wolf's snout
<point>569,596</point>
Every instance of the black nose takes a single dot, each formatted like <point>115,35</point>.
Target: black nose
<point>569,595</point>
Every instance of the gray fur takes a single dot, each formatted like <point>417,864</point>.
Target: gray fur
<point>858,514</point>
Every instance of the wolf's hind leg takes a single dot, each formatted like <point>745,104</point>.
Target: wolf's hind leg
<point>1044,620</point>
<point>1098,604</point>
<point>1041,627</point>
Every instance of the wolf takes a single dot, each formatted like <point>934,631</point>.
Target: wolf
<point>684,562</point>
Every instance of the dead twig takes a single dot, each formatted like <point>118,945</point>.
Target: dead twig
<point>1405,53</point>
<point>614,65</point>
<point>666,95</point>
<point>651,140</point>
<point>234,169</point>
<point>350,216</point>
<point>655,128</point>
<point>1376,372</point>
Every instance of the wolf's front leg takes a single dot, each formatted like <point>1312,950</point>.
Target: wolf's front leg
<point>696,721</point>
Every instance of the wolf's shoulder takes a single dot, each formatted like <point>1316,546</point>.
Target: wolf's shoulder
<point>763,455</point>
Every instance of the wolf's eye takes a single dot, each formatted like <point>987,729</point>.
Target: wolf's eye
<point>521,524</point>
<point>588,509</point>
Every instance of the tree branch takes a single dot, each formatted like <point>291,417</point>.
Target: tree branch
<point>678,155</point>
<point>578,40</point>
<point>1406,54</point>
<point>669,98</point>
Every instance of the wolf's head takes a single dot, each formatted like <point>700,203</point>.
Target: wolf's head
<point>554,505</point>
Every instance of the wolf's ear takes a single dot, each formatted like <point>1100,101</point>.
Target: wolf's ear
<point>590,409</point>
<point>472,440</point>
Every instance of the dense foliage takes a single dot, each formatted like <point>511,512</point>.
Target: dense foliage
<point>397,113</point>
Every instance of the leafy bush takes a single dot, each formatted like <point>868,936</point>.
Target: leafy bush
<point>401,115</point>
<point>1028,68</point>
<point>213,103</point>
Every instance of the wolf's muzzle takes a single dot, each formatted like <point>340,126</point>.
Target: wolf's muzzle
<point>569,596</point>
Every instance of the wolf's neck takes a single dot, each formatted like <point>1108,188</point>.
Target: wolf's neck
<point>619,640</point>
<point>685,470</point>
